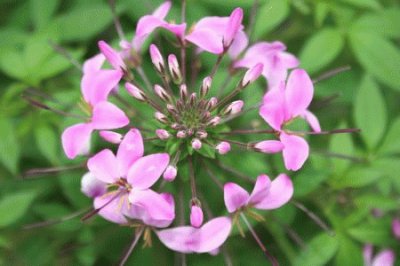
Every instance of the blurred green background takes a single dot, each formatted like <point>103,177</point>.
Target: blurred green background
<point>351,181</point>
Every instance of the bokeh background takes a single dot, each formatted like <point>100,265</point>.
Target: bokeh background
<point>351,181</point>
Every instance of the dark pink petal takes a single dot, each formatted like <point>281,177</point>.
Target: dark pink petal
<point>384,258</point>
<point>112,206</point>
<point>112,56</point>
<point>295,152</point>
<point>207,40</point>
<point>76,140</point>
<point>269,146</point>
<point>396,228</point>
<point>213,234</point>
<point>130,149</point>
<point>96,86</point>
<point>110,136</point>
<point>104,166</point>
<point>235,197</point>
<point>312,120</point>
<point>261,190</point>
<point>233,26</point>
<point>280,192</point>
<point>299,92</point>
<point>93,64</point>
<point>147,170</point>
<point>91,186</point>
<point>108,116</point>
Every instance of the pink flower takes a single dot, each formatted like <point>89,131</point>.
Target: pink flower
<point>283,104</point>
<point>208,34</point>
<point>91,186</point>
<point>196,216</point>
<point>266,195</point>
<point>207,238</point>
<point>384,258</point>
<point>396,228</point>
<point>274,58</point>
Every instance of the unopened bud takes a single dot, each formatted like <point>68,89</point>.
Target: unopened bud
<point>181,134</point>
<point>252,74</point>
<point>170,173</point>
<point>396,228</point>
<point>192,99</point>
<point>190,132</point>
<point>234,108</point>
<point>223,147</point>
<point>174,69</point>
<point>205,87</point>
<point>162,134</point>
<point>215,121</point>
<point>212,102</point>
<point>160,92</point>
<point>196,216</point>
<point>110,136</point>
<point>183,92</point>
<point>156,58</point>
<point>175,126</point>
<point>196,144</point>
<point>161,117</point>
<point>135,92</point>
<point>201,134</point>
<point>234,23</point>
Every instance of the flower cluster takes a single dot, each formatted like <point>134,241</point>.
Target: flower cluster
<point>188,124</point>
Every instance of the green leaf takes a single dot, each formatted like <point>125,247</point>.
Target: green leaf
<point>357,177</point>
<point>9,146</point>
<point>83,23</point>
<point>321,49</point>
<point>391,142</point>
<point>47,142</point>
<point>341,144</point>
<point>370,201</point>
<point>370,113</point>
<point>319,251</point>
<point>270,15</point>
<point>207,151</point>
<point>376,232</point>
<point>349,253</point>
<point>370,4</point>
<point>42,11</point>
<point>378,56</point>
<point>321,12</point>
<point>12,63</point>
<point>14,206</point>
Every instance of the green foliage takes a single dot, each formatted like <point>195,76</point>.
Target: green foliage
<point>14,205</point>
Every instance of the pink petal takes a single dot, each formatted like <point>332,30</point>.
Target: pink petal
<point>108,116</point>
<point>196,216</point>
<point>96,86</point>
<point>269,146</point>
<point>384,258</point>
<point>112,56</point>
<point>273,110</point>
<point>213,234</point>
<point>76,140</point>
<point>299,92</point>
<point>261,190</point>
<point>104,167</point>
<point>233,26</point>
<point>367,254</point>
<point>179,239</point>
<point>130,149</point>
<point>91,186</point>
<point>147,170</point>
<point>145,26</point>
<point>235,197</point>
<point>177,29</point>
<point>239,44</point>
<point>112,206</point>
<point>152,208</point>
<point>93,64</point>
<point>162,11</point>
<point>396,228</point>
<point>280,193</point>
<point>295,152</point>
<point>312,120</point>
<point>207,40</point>
<point>110,136</point>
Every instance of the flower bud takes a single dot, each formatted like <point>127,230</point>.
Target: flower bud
<point>163,134</point>
<point>92,187</point>
<point>135,92</point>
<point>234,23</point>
<point>201,134</point>
<point>396,228</point>
<point>212,102</point>
<point>252,74</point>
<point>174,69</point>
<point>176,126</point>
<point>181,134</point>
<point>234,108</point>
<point>196,144</point>
<point>170,173</point>
<point>192,99</point>
<point>196,216</point>
<point>223,147</point>
<point>205,87</point>
<point>156,58</point>
<point>215,121</point>
<point>183,92</point>
<point>161,117</point>
<point>110,136</point>
<point>162,93</point>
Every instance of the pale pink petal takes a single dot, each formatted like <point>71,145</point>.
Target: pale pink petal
<point>384,258</point>
<point>108,116</point>
<point>179,239</point>
<point>261,190</point>
<point>112,56</point>
<point>213,234</point>
<point>273,110</point>
<point>312,120</point>
<point>299,92</point>
<point>367,254</point>
<point>235,197</point>
<point>110,136</point>
<point>233,26</point>
<point>239,44</point>
<point>196,216</point>
<point>91,186</point>
<point>289,60</point>
<point>177,29</point>
<point>207,40</point>
<point>147,170</point>
<point>396,228</point>
<point>96,86</point>
<point>162,11</point>
<point>145,26</point>
<point>112,206</point>
<point>104,166</point>
<point>269,146</point>
<point>130,149</point>
<point>76,140</point>
<point>93,64</point>
<point>295,152</point>
<point>280,193</point>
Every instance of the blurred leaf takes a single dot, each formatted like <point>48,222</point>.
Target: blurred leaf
<point>226,4</point>
<point>83,23</point>
<point>321,49</point>
<point>12,63</point>
<point>319,251</point>
<point>391,142</point>
<point>13,206</point>
<point>341,144</point>
<point>47,142</point>
<point>371,4</point>
<point>321,12</point>
<point>370,113</point>
<point>269,16</point>
<point>9,146</point>
<point>376,232</point>
<point>349,253</point>
<point>378,56</point>
<point>207,151</point>
<point>370,201</point>
<point>42,11</point>
<point>307,181</point>
<point>357,177</point>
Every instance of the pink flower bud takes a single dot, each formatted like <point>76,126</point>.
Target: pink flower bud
<point>205,87</point>
<point>235,107</point>
<point>170,173</point>
<point>215,121</point>
<point>91,186</point>
<point>252,74</point>
<point>196,216</point>
<point>161,117</point>
<point>161,93</point>
<point>396,228</point>
<point>162,134</point>
<point>201,134</point>
<point>174,68</point>
<point>156,58</point>
<point>212,102</point>
<point>181,134</point>
<point>110,136</point>
<point>223,147</point>
<point>196,144</point>
<point>183,92</point>
<point>234,23</point>
<point>135,91</point>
